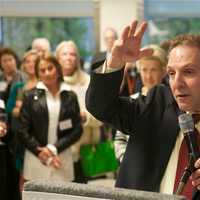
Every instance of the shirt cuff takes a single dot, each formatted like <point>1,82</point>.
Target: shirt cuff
<point>53,149</point>
<point>104,69</point>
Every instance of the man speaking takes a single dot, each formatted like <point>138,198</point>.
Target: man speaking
<point>154,151</point>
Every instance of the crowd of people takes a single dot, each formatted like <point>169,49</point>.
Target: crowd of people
<point>43,98</point>
<point>136,93</point>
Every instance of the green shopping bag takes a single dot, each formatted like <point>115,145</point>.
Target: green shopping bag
<point>98,159</point>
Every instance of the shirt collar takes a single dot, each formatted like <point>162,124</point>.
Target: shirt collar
<point>63,87</point>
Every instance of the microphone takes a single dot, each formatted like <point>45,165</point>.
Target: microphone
<point>186,124</point>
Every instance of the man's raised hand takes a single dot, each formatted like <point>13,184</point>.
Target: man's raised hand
<point>128,47</point>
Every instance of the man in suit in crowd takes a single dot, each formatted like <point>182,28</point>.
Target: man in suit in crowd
<point>42,46</point>
<point>151,158</point>
<point>109,36</point>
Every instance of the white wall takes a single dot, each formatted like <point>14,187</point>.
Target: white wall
<point>118,14</point>
<point>47,8</point>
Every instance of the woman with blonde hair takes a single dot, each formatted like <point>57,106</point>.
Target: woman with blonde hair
<point>15,102</point>
<point>28,67</point>
<point>68,56</point>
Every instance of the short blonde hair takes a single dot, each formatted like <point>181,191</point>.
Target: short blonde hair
<point>159,54</point>
<point>27,54</point>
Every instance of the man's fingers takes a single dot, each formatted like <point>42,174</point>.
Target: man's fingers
<point>196,174</point>
<point>196,182</point>
<point>132,28</point>
<point>140,31</point>
<point>197,163</point>
<point>125,33</point>
<point>145,53</point>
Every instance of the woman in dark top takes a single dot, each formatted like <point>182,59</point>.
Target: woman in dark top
<point>50,123</point>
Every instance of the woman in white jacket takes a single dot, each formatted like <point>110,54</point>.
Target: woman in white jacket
<point>68,56</point>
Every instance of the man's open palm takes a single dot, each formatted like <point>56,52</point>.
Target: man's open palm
<point>128,47</point>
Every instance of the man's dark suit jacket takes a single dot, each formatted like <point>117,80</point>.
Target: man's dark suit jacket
<point>97,58</point>
<point>152,124</point>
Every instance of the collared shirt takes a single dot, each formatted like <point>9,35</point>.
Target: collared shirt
<point>53,105</point>
<point>167,184</point>
<point>37,170</point>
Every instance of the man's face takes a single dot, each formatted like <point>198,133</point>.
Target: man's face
<point>184,76</point>
<point>41,48</point>
<point>109,39</point>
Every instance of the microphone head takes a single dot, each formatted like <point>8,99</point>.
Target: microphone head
<point>186,122</point>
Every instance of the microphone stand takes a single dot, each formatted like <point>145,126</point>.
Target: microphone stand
<point>186,174</point>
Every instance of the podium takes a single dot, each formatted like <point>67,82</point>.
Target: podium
<point>54,190</point>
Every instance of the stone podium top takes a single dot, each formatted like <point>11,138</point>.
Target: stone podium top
<point>94,191</point>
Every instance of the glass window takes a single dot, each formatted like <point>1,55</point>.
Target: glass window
<point>160,30</point>
<point>18,32</point>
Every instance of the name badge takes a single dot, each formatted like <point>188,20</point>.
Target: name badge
<point>65,124</point>
<point>2,104</point>
<point>3,86</point>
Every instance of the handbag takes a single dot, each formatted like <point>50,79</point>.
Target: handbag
<point>98,159</point>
